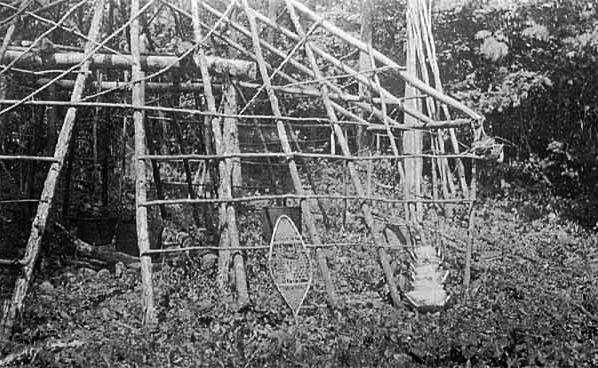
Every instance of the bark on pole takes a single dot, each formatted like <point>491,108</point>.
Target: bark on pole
<point>47,197</point>
<point>213,122</point>
<point>227,216</point>
<point>367,10</point>
<point>237,68</point>
<point>353,172</point>
<point>233,168</point>
<point>286,147</point>
<point>143,242</point>
<point>412,139</point>
<point>231,131</point>
<point>51,123</point>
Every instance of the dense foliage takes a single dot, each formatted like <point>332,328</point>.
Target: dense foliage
<point>527,65</point>
<point>532,303</point>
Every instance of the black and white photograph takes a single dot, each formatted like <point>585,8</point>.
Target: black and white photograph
<point>299,183</point>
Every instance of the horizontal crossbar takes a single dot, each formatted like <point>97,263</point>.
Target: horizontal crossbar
<point>13,201</point>
<point>197,157</point>
<point>257,247</point>
<point>11,262</point>
<point>297,197</point>
<point>28,158</point>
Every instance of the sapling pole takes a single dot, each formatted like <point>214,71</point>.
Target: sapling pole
<point>94,142</point>
<point>68,175</point>
<point>412,140</point>
<point>378,241</point>
<point>214,123</point>
<point>470,227</point>
<point>335,62</point>
<point>38,226</point>
<point>263,71</point>
<point>367,10</point>
<point>428,41</point>
<point>104,158</point>
<point>427,61</point>
<point>231,143</point>
<point>227,216</point>
<point>238,68</point>
<point>409,78</point>
<point>390,98</point>
<point>141,216</point>
<point>230,131</point>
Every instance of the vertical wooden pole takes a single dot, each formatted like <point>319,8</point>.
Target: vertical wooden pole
<point>105,151</point>
<point>369,219</point>
<point>227,217</point>
<point>367,15</point>
<point>51,122</point>
<point>412,139</point>
<point>428,42</point>
<point>94,134</point>
<point>66,188</point>
<point>470,229</point>
<point>434,165</point>
<point>216,133</point>
<point>230,131</point>
<point>47,197</point>
<point>286,147</point>
<point>231,144</point>
<point>138,100</point>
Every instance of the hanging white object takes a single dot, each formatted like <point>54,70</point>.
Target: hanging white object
<point>289,263</point>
